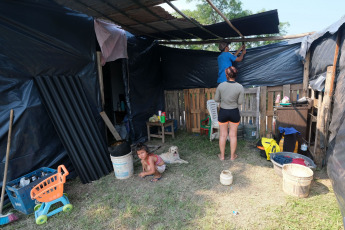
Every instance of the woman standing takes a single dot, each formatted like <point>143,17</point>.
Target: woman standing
<point>230,95</point>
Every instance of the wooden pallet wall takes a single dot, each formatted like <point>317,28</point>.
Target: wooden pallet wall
<point>174,107</point>
<point>268,95</point>
<point>196,110</point>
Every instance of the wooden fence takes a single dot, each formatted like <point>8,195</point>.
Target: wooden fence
<point>175,107</point>
<point>188,107</point>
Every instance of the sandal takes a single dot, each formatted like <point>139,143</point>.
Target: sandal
<point>234,158</point>
<point>220,158</point>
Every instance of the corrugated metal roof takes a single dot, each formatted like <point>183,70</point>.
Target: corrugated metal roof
<point>145,18</point>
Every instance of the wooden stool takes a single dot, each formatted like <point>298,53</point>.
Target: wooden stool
<point>162,133</point>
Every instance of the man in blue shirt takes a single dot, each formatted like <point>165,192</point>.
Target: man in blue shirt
<point>225,59</point>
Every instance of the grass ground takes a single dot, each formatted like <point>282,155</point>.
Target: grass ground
<point>190,196</point>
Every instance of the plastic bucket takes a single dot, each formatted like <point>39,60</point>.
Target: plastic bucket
<point>123,166</point>
<point>297,179</point>
<point>249,132</point>
<point>226,177</point>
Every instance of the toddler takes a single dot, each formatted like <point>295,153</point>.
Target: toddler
<point>152,164</point>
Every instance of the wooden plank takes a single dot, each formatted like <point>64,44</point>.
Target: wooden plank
<point>248,113</point>
<point>197,120</point>
<point>274,88</point>
<point>193,108</point>
<point>202,106</point>
<point>100,77</point>
<point>306,75</point>
<point>250,90</point>
<point>296,87</point>
<point>270,110</point>
<point>263,92</point>
<point>286,91</point>
<point>110,126</point>
<point>176,109</point>
<point>293,96</point>
<point>186,96</point>
<point>257,111</point>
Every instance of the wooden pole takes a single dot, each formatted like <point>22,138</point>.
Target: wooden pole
<point>271,38</point>
<point>7,160</point>
<point>100,77</point>
<point>225,19</point>
<point>306,75</point>
<point>323,117</point>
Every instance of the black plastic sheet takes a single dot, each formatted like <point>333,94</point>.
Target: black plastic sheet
<point>40,37</point>
<point>336,146</point>
<point>145,84</point>
<point>275,64</point>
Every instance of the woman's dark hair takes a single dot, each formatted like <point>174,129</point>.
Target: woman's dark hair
<point>231,72</point>
<point>141,146</point>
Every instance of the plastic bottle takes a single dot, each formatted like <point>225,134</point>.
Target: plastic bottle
<point>163,118</point>
<point>304,148</point>
<point>122,106</point>
<point>277,99</point>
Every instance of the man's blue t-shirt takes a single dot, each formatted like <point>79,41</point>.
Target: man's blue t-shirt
<point>225,60</point>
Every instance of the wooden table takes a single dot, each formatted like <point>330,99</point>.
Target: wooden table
<point>161,134</point>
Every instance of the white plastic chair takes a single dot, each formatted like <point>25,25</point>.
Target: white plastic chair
<point>212,109</point>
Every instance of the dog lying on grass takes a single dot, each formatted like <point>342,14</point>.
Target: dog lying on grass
<point>172,156</point>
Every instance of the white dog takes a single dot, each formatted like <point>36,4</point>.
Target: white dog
<point>172,156</point>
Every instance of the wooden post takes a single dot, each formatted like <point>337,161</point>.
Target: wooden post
<point>317,151</point>
<point>202,106</point>
<point>322,124</point>
<point>263,92</point>
<point>100,77</point>
<point>306,75</point>
<point>270,113</point>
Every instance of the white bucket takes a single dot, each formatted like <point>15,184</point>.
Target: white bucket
<point>226,177</point>
<point>123,166</point>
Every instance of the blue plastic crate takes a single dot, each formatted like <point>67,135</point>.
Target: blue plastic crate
<point>20,197</point>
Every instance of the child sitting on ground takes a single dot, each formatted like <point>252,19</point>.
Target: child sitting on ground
<point>152,164</point>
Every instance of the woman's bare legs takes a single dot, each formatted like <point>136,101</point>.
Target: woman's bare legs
<point>233,140</point>
<point>223,129</point>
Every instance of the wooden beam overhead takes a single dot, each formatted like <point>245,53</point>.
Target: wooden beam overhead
<point>256,39</point>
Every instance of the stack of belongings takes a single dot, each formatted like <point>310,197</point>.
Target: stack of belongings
<point>287,139</point>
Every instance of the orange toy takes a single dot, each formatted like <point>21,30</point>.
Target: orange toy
<point>50,192</point>
<point>51,188</point>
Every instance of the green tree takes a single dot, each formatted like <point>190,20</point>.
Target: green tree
<point>232,9</point>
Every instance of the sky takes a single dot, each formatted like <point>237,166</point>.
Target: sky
<point>303,15</point>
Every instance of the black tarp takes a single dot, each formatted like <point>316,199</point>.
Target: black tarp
<point>275,64</point>
<point>322,47</point>
<point>153,69</point>
<point>256,24</point>
<point>41,38</point>
<point>145,84</point>
<point>336,146</point>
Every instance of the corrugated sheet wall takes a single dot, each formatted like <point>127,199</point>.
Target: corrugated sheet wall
<point>68,108</point>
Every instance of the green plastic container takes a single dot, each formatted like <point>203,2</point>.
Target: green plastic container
<point>240,131</point>
<point>250,132</point>
<point>162,119</point>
